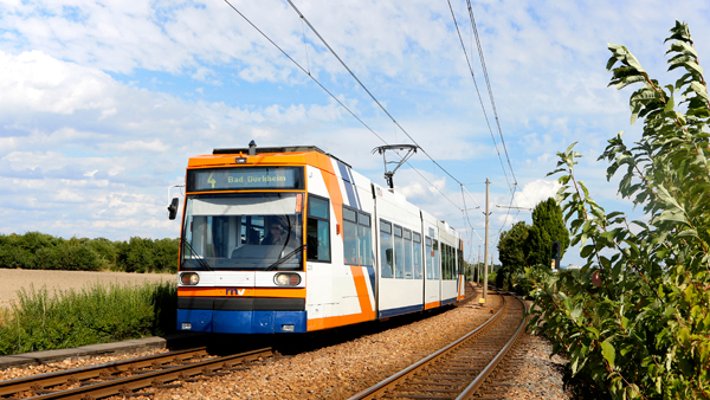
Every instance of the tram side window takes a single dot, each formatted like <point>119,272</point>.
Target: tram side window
<point>398,253</point>
<point>437,260</point>
<point>417,255</point>
<point>429,256</point>
<point>448,262</point>
<point>451,262</point>
<point>444,262</point>
<point>408,266</point>
<point>350,245</point>
<point>364,233</point>
<point>318,229</point>
<point>357,237</point>
<point>462,270</point>
<point>386,250</point>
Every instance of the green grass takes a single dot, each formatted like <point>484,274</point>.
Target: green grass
<point>99,314</point>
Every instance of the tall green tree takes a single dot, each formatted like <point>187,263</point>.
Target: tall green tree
<point>510,246</point>
<point>547,227</point>
<point>511,252</point>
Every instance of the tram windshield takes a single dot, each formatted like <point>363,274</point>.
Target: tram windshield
<point>243,232</point>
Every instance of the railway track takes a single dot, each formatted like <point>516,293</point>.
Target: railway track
<point>458,370</point>
<point>125,377</point>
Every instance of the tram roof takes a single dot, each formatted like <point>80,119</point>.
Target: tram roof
<point>262,150</point>
<point>278,155</point>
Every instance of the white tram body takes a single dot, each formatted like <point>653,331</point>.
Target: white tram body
<point>348,250</point>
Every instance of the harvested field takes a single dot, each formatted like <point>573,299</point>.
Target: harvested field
<point>15,280</point>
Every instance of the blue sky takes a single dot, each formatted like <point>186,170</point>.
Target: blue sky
<point>103,102</point>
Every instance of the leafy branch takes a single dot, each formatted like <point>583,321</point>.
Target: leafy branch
<point>649,333</point>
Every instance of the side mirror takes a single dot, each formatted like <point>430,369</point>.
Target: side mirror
<point>173,207</point>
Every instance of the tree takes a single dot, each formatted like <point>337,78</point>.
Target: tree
<point>548,227</point>
<point>511,252</point>
<point>138,255</point>
<point>166,255</point>
<point>634,320</point>
<point>510,249</point>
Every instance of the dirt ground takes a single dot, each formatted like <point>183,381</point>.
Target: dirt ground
<point>13,280</point>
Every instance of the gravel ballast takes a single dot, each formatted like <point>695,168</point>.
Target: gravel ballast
<point>341,370</point>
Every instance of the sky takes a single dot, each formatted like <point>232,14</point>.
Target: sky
<point>103,102</point>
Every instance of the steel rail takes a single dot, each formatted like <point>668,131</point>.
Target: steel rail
<point>31,383</point>
<point>478,381</point>
<point>126,385</point>
<point>380,387</point>
<point>130,384</point>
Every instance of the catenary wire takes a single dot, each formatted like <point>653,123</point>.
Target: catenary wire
<point>466,216</point>
<point>478,92</point>
<point>333,96</point>
<point>369,93</point>
<point>490,90</point>
<point>474,28</point>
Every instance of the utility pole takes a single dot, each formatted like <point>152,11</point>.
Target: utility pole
<point>478,266</point>
<point>485,252</point>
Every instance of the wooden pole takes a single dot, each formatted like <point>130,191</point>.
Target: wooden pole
<point>485,251</point>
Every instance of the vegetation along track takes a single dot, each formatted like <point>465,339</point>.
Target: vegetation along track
<point>125,377</point>
<point>459,369</point>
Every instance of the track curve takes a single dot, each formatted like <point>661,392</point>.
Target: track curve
<point>457,370</point>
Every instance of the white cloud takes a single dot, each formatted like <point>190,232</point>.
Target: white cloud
<point>155,145</point>
<point>34,81</point>
<point>535,192</point>
<point>104,101</point>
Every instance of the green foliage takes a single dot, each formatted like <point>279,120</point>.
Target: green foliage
<point>548,227</point>
<point>97,315</point>
<point>511,253</point>
<point>634,319</point>
<point>510,249</point>
<point>525,245</point>
<point>136,255</point>
<point>35,250</point>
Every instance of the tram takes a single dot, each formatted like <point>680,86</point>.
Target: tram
<point>292,240</point>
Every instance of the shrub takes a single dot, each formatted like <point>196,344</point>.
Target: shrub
<point>634,320</point>
<point>35,250</point>
<point>76,318</point>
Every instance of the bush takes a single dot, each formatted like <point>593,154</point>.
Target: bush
<point>634,320</point>
<point>35,250</point>
<point>166,255</point>
<point>96,315</point>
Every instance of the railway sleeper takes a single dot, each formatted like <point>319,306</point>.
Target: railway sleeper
<point>427,390</point>
<point>419,395</point>
<point>428,383</point>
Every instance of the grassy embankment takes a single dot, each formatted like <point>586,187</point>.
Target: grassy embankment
<point>38,321</point>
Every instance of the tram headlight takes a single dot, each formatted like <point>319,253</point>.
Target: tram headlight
<point>287,279</point>
<point>189,278</point>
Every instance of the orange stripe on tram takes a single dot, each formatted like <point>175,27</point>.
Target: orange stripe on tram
<point>366,311</point>
<point>332,183</point>
<point>241,292</point>
<point>431,305</point>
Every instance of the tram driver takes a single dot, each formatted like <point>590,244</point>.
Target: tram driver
<point>278,232</point>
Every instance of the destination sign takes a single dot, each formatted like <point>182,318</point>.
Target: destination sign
<point>245,178</point>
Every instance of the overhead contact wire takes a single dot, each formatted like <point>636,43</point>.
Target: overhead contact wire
<point>369,93</point>
<point>478,93</point>
<point>331,94</point>
<point>490,90</point>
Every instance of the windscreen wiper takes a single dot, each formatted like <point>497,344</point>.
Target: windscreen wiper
<point>286,257</point>
<point>200,260</point>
